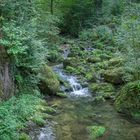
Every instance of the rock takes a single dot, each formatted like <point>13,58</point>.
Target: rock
<point>70,61</point>
<point>114,76</point>
<point>49,83</point>
<point>117,61</point>
<point>94,59</point>
<point>128,101</point>
<point>90,77</point>
<point>96,131</point>
<point>104,90</point>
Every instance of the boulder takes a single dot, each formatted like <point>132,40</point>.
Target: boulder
<point>93,59</point>
<point>117,61</point>
<point>128,100</point>
<point>49,83</point>
<point>70,61</point>
<point>114,76</point>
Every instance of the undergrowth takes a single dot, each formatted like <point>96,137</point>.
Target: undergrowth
<point>15,113</point>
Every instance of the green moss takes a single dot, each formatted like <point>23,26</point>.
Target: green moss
<point>136,115</point>
<point>117,61</point>
<point>50,110</point>
<point>63,95</point>
<point>96,131</point>
<point>72,70</point>
<point>70,61</point>
<point>105,90</point>
<point>114,76</point>
<point>24,136</point>
<point>128,101</point>
<point>39,120</point>
<point>49,81</point>
<point>94,59</point>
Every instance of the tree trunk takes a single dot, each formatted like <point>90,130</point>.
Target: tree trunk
<point>6,77</point>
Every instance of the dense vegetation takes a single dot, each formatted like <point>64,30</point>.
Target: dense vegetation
<point>104,42</point>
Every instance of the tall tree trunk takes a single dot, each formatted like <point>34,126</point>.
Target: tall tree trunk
<point>6,77</point>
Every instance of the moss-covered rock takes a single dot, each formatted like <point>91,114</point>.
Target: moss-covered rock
<point>96,131</point>
<point>49,83</point>
<point>38,120</point>
<point>128,101</point>
<point>94,59</point>
<point>62,95</point>
<point>114,76</point>
<point>24,136</point>
<point>90,76</point>
<point>72,70</point>
<point>104,90</point>
<point>70,61</point>
<point>117,61</point>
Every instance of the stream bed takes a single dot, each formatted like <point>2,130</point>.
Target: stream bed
<point>80,110</point>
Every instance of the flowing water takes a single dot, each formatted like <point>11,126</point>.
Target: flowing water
<point>80,110</point>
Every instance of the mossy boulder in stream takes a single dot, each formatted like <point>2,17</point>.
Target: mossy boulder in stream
<point>70,61</point>
<point>117,61</point>
<point>114,76</point>
<point>49,83</point>
<point>105,90</point>
<point>96,131</point>
<point>128,101</point>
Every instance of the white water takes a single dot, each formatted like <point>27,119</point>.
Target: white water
<point>77,89</point>
<point>46,134</point>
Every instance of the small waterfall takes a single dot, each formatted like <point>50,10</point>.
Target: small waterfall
<point>77,89</point>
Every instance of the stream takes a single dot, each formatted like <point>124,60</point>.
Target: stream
<point>80,110</point>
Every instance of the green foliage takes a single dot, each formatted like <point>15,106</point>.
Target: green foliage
<point>96,131</point>
<point>99,37</point>
<point>128,41</point>
<point>28,34</point>
<point>24,136</point>
<point>75,15</point>
<point>14,114</point>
